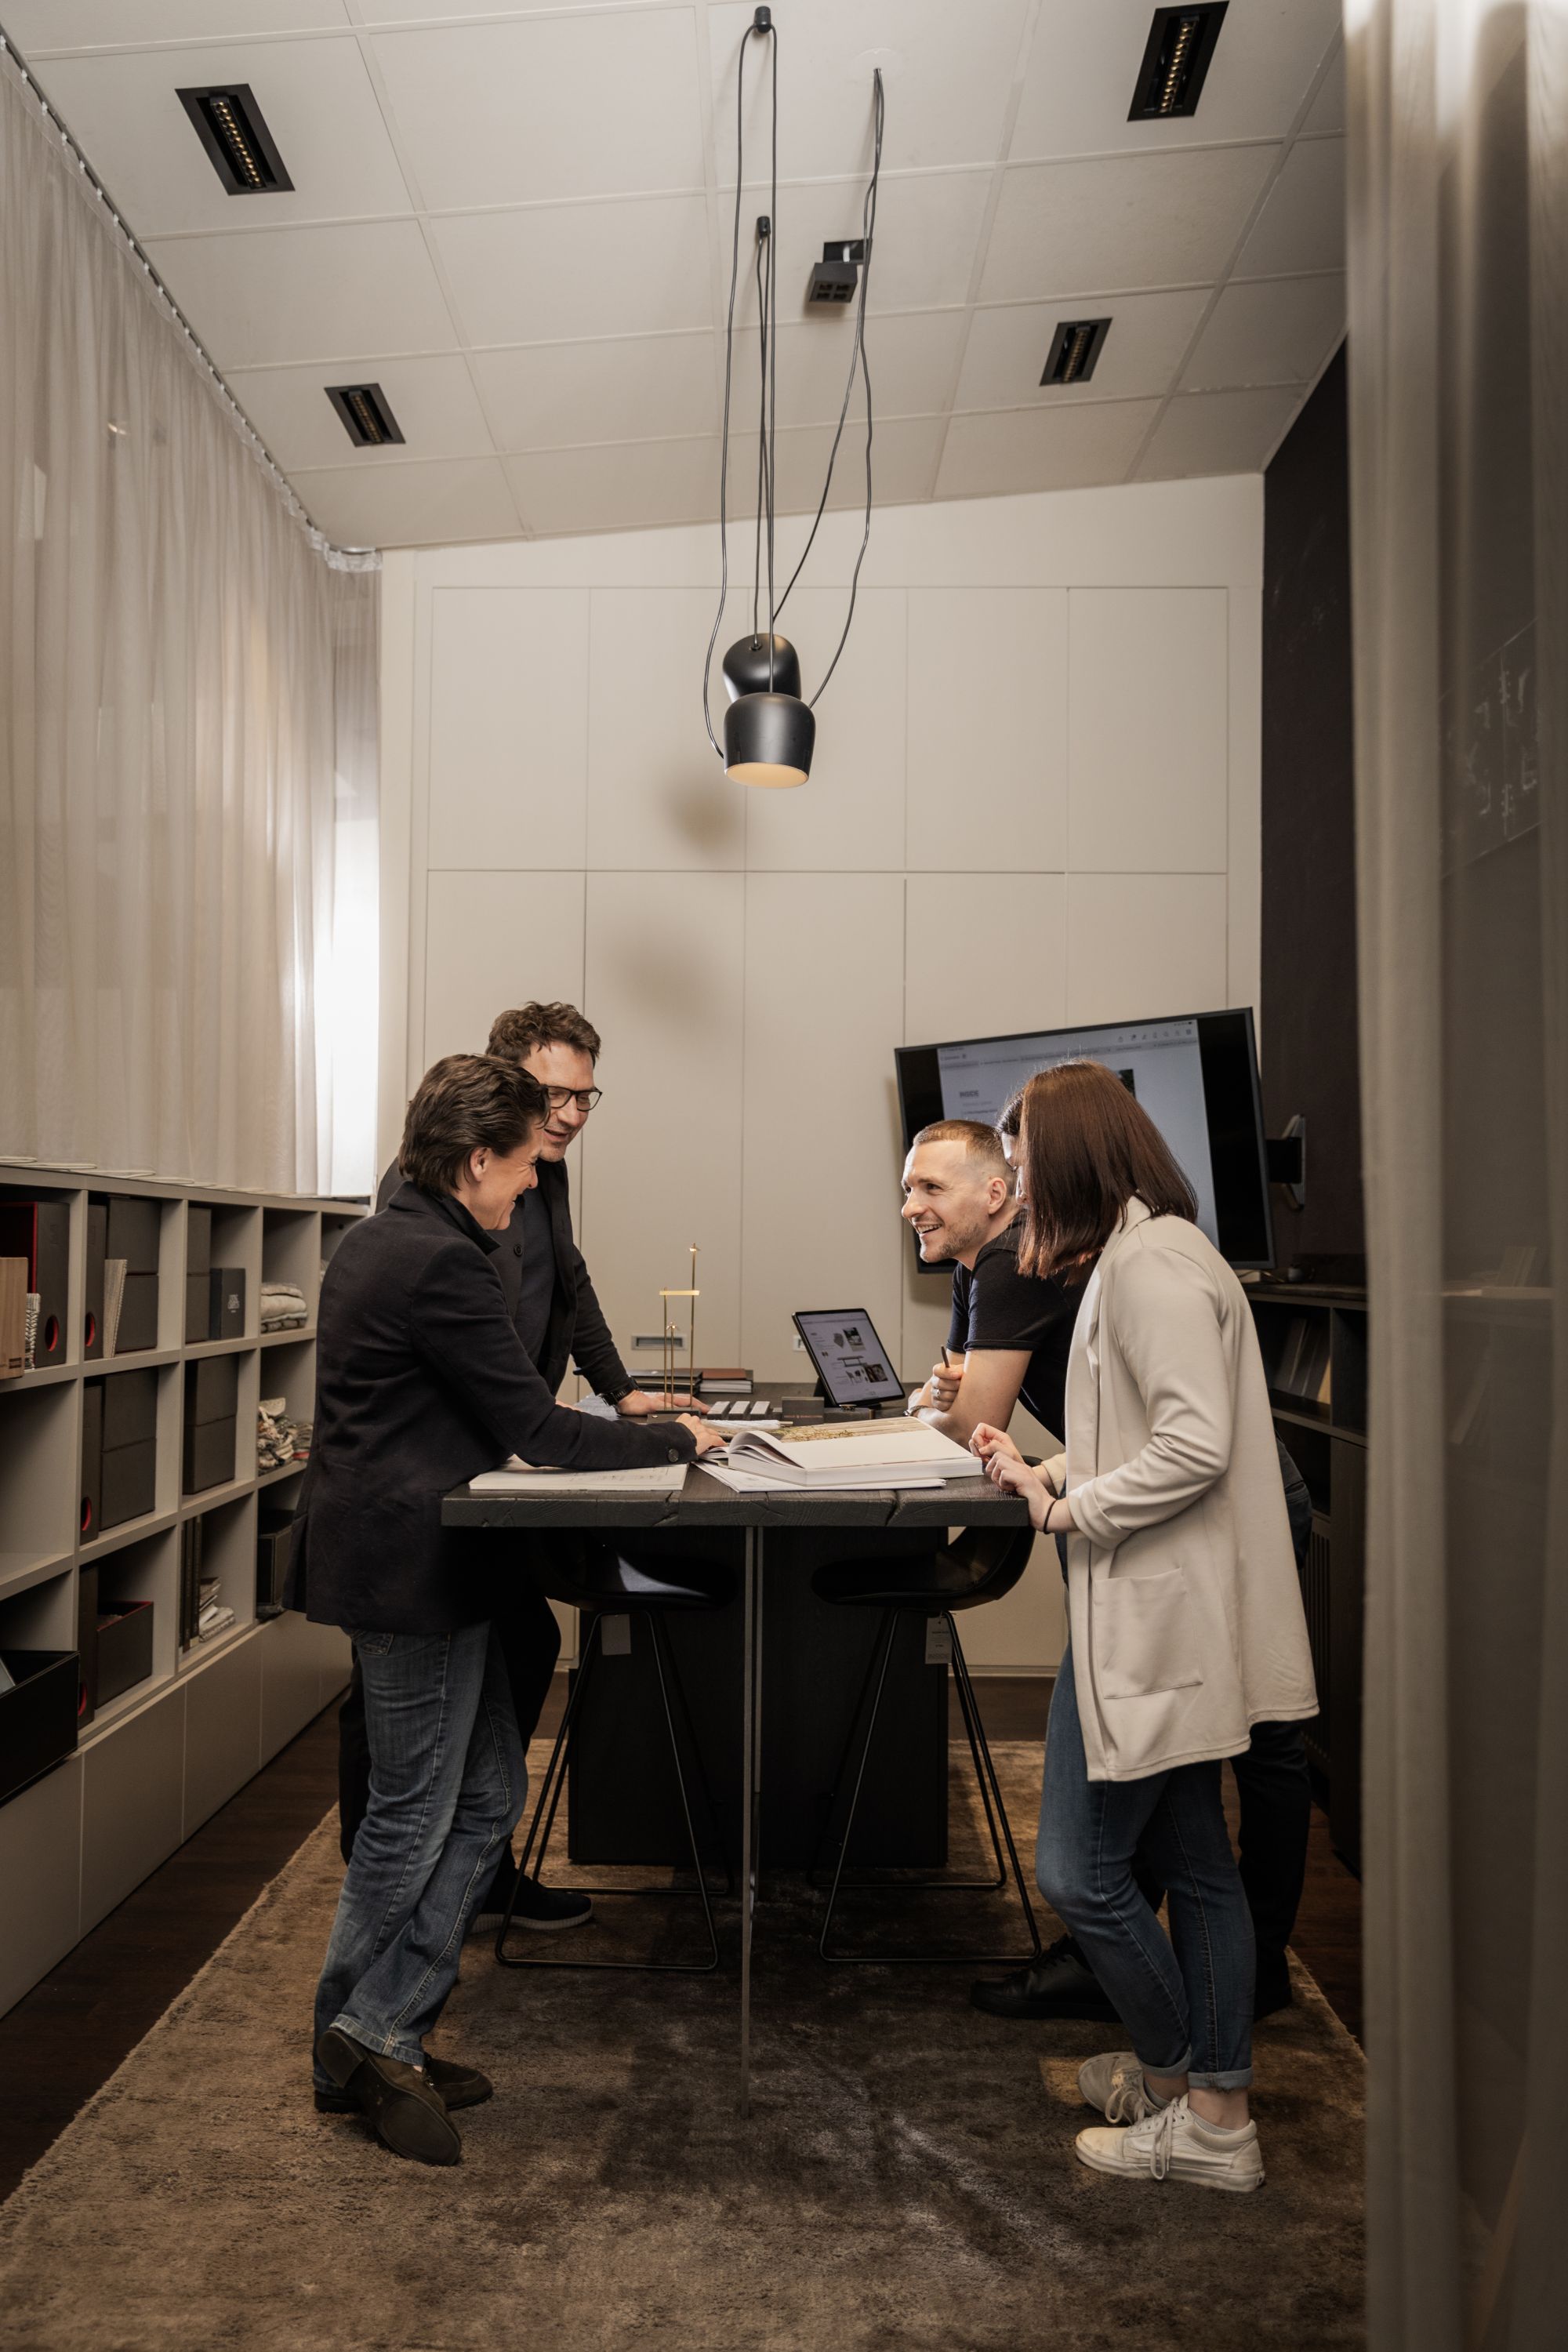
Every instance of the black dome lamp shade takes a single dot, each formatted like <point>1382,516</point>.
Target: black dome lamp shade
<point>770,730</point>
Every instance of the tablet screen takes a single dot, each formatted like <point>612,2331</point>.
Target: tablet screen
<point>851,1361</point>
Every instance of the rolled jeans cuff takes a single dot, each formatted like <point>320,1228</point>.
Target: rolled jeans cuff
<point>378,2045</point>
<point>1235,2078</point>
<point>1166,2066</point>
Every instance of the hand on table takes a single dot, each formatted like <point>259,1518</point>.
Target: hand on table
<point>637,1402</point>
<point>708,1439</point>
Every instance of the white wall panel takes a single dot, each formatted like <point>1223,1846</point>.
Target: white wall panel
<point>825,957</point>
<point>493,940</point>
<point>1147,731</point>
<point>983,954</point>
<point>665,979</point>
<point>1141,944</point>
<point>851,812</point>
<point>988,706</point>
<point>657,795</point>
<point>508,728</point>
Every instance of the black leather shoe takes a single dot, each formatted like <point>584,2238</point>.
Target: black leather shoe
<point>459,2085</point>
<point>1058,1984</point>
<point>545,1909</point>
<point>400,2103</point>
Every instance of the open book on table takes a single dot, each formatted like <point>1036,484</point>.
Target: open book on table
<point>885,1454</point>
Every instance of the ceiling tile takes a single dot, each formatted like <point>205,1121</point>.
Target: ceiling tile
<point>1007,348</point>
<point>410,505</point>
<point>1084,64</point>
<point>433,401</point>
<point>1124,220</point>
<point>947,74</point>
<point>1302,224</point>
<point>632,488</point>
<point>1277,330</point>
<point>548,107</point>
<point>911,361</point>
<point>1036,449</point>
<point>904,454</point>
<point>928,234</point>
<point>1328,111</point>
<point>302,293</point>
<point>318,104</point>
<point>559,273</point>
<point>39,26</point>
<point>1217,433</point>
<point>630,388</point>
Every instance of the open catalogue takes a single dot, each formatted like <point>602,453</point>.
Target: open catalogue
<point>810,1456</point>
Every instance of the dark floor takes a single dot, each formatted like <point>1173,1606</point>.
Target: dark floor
<point>65,2039</point>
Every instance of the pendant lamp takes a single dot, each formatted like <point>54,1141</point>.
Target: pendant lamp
<point>770,729</point>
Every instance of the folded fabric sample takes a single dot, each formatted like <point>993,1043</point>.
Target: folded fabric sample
<point>282,1306</point>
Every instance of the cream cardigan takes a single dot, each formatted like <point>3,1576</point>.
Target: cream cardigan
<point>1183,1597</point>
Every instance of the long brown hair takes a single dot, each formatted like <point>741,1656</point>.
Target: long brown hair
<point>1084,1147</point>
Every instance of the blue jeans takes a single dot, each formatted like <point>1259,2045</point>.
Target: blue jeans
<point>448,1776</point>
<point>1185,1998</point>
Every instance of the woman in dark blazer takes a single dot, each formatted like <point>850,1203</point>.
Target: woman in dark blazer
<point>422,1382</point>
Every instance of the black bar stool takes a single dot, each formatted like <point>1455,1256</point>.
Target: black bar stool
<point>982,1566</point>
<point>606,1580</point>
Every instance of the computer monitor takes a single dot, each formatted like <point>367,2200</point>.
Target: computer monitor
<point>849,1359</point>
<point>1195,1075</point>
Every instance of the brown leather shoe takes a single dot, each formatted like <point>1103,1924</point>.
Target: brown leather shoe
<point>459,2085</point>
<point>400,2103</point>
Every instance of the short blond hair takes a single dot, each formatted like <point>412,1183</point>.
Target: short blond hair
<point>980,1142</point>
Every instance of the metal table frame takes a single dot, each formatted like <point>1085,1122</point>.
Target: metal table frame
<point>704,1503</point>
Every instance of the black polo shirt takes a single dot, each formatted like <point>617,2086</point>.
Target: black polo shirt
<point>996,1306</point>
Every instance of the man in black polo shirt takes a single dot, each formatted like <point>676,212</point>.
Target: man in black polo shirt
<point>1008,1339</point>
<point>560,1321</point>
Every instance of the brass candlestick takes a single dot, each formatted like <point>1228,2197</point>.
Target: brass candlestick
<point>672,1336</point>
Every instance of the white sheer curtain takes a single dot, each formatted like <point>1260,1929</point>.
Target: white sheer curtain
<point>187,742</point>
<point>1459,357</point>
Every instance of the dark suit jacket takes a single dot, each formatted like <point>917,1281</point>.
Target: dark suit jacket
<point>577,1328</point>
<point>421,1382</point>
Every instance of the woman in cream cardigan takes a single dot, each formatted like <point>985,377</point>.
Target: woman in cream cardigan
<point>1184,1618</point>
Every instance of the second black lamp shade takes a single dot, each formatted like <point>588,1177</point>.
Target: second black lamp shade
<point>768,732</point>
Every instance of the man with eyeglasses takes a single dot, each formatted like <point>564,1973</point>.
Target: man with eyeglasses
<point>560,1322</point>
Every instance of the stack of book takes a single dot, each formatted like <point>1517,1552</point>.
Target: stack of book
<point>720,1379</point>
<point>818,1457</point>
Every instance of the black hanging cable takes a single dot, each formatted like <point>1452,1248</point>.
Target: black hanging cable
<point>729,365</point>
<point>858,345</point>
<point>761,429</point>
<point>772,371</point>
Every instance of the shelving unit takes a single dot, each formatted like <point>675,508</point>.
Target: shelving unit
<point>1314,1344</point>
<point>159,1759</point>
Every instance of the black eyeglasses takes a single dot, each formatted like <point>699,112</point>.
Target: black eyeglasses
<point>586,1099</point>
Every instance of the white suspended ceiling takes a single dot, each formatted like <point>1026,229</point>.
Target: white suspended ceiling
<point>517,221</point>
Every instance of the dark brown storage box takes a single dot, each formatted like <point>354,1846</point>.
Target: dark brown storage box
<point>124,1647</point>
<point>37,1718</point>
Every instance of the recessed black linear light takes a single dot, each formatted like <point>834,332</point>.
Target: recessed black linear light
<point>366,414</point>
<point>1075,347</point>
<point>1171,77</point>
<point>232,128</point>
<point>834,277</point>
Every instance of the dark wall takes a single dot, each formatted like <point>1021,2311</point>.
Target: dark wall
<point>1308,1011</point>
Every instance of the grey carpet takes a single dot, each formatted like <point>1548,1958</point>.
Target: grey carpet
<point>906,2183</point>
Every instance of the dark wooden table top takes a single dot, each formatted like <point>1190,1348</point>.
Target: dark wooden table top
<point>704,1502</point>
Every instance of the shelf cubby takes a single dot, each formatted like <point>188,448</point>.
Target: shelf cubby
<point>38,1475</point>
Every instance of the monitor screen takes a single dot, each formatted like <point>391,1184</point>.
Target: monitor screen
<point>851,1361</point>
<point>1194,1074</point>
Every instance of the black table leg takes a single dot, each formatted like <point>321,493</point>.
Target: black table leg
<point>750,1791</point>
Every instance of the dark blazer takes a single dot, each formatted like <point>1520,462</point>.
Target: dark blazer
<point>421,1382</point>
<point>576,1327</point>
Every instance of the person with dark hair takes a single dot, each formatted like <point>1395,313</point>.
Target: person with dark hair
<point>421,1383</point>
<point>559,1321</point>
<point>1008,1337</point>
<point>1185,1614</point>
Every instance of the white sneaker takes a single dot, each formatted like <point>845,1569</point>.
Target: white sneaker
<point>1115,2084</point>
<point>1174,2144</point>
